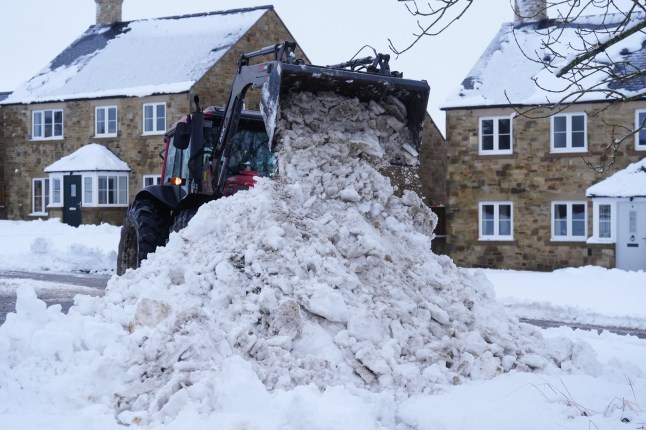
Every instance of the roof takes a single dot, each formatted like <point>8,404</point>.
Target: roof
<point>89,158</point>
<point>630,182</point>
<point>4,95</point>
<point>505,75</point>
<point>139,58</point>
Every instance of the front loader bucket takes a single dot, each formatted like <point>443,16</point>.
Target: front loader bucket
<point>365,86</point>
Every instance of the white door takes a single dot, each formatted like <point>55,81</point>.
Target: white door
<point>631,236</point>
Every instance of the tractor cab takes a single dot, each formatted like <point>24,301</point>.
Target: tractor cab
<point>184,163</point>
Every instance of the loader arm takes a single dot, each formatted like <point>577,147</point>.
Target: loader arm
<point>247,76</point>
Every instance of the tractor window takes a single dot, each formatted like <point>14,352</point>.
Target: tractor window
<point>250,151</point>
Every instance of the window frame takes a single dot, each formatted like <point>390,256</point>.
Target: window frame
<point>44,196</point>
<point>596,221</point>
<point>568,237</point>
<point>569,132</point>
<point>53,180</point>
<point>155,118</point>
<point>92,197</point>
<point>106,122</point>
<point>156,179</point>
<point>42,135</point>
<point>496,136</point>
<point>641,133</point>
<point>496,236</point>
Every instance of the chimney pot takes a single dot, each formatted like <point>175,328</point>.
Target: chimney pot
<point>528,11</point>
<point>108,11</point>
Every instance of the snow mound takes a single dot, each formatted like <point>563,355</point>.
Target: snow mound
<point>321,280</point>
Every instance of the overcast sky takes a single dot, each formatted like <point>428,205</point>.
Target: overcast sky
<point>33,32</point>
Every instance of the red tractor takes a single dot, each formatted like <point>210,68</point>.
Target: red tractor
<point>216,152</point>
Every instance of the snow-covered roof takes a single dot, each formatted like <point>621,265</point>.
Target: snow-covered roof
<point>505,75</point>
<point>89,158</point>
<point>139,58</point>
<point>630,182</point>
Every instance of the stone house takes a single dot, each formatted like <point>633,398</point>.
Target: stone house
<point>121,85</point>
<point>516,176</point>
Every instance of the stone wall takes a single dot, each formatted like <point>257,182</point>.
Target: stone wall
<point>3,148</point>
<point>531,178</point>
<point>27,158</point>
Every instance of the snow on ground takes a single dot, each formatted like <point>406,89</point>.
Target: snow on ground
<point>316,304</point>
<point>55,247</point>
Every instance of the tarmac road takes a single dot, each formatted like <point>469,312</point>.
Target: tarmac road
<point>52,288</point>
<point>60,289</point>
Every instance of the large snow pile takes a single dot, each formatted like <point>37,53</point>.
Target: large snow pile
<point>321,285</point>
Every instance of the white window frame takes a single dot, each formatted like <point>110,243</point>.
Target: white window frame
<point>496,136</point>
<point>38,133</point>
<point>44,197</point>
<point>55,181</point>
<point>568,130</point>
<point>496,236</point>
<point>569,237</point>
<point>155,129</point>
<point>153,179</point>
<point>640,133</point>
<point>596,220</point>
<point>106,121</point>
<point>91,195</point>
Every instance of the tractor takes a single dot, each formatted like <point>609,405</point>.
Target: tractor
<point>216,152</point>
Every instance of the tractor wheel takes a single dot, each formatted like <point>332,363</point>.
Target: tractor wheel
<point>182,219</point>
<point>144,229</point>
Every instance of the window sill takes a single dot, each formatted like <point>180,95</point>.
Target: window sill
<point>497,240</point>
<point>567,152</point>
<point>600,241</point>
<point>568,241</point>
<point>47,139</point>
<point>154,133</point>
<point>38,214</point>
<point>105,136</point>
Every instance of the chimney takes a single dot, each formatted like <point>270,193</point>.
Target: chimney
<point>529,11</point>
<point>108,11</point>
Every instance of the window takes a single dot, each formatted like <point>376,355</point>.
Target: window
<point>495,136</point>
<point>56,198</point>
<point>640,124</point>
<point>100,189</point>
<point>569,221</point>
<point>105,121</point>
<point>496,221</point>
<point>112,190</point>
<point>603,219</point>
<point>154,118</point>
<point>39,196</point>
<point>569,133</point>
<point>47,124</point>
<point>152,180</point>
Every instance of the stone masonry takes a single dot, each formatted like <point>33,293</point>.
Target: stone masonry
<point>531,178</point>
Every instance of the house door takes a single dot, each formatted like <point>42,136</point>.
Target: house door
<point>631,236</point>
<point>72,200</point>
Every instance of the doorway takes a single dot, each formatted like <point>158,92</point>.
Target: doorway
<point>72,200</point>
<point>631,236</point>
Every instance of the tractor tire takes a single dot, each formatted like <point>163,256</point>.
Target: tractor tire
<point>182,219</point>
<point>144,229</point>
